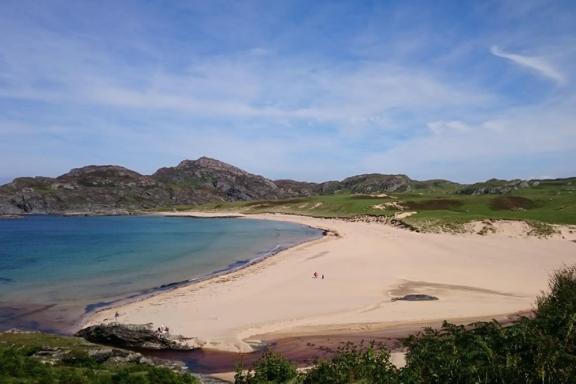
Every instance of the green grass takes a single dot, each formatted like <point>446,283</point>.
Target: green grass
<point>35,340</point>
<point>338,205</point>
<point>550,203</point>
<point>18,365</point>
<point>539,205</point>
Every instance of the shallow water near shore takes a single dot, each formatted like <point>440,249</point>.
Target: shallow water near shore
<point>53,268</point>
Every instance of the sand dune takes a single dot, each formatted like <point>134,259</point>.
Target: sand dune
<point>365,266</point>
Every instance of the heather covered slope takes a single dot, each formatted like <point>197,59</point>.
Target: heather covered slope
<point>114,189</point>
<point>87,189</point>
<point>211,179</point>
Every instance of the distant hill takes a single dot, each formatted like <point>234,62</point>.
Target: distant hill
<point>496,186</point>
<point>115,189</point>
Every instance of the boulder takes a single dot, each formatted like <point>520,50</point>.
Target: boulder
<point>415,297</point>
<point>137,336</point>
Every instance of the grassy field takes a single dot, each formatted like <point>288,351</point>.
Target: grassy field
<point>547,203</point>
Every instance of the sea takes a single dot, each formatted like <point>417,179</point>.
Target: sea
<point>54,270</point>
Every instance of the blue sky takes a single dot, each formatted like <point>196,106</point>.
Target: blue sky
<point>310,90</point>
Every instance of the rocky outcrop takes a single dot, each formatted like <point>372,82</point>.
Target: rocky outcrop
<point>102,355</point>
<point>415,297</point>
<point>110,189</point>
<point>377,183</point>
<point>137,336</point>
<point>106,189</point>
<point>495,186</point>
<point>207,179</point>
<point>71,351</point>
<point>298,188</point>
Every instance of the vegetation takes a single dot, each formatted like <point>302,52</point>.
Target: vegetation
<point>271,368</point>
<point>550,202</point>
<point>541,349</point>
<point>20,364</point>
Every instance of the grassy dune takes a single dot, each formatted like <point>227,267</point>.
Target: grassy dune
<point>546,203</point>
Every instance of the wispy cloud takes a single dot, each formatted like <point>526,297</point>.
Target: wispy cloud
<point>518,138</point>
<point>534,63</point>
<point>319,90</point>
<point>444,127</point>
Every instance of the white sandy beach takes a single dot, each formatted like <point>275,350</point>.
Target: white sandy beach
<point>365,267</point>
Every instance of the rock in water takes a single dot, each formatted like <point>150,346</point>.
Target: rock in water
<point>137,336</point>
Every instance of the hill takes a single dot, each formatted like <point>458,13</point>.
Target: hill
<point>115,189</point>
<point>111,189</point>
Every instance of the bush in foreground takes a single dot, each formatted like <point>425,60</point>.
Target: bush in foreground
<point>271,368</point>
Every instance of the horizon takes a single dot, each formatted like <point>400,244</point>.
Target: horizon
<point>291,90</point>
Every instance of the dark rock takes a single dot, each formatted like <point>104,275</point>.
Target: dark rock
<point>110,189</point>
<point>137,336</point>
<point>415,297</point>
<point>208,179</point>
<point>298,188</point>
<point>497,187</point>
<point>377,183</point>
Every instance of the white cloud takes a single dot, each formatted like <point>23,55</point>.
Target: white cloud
<point>443,127</point>
<point>534,63</point>
<point>486,149</point>
<point>394,105</point>
<point>243,87</point>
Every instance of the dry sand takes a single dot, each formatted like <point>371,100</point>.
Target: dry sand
<point>365,266</point>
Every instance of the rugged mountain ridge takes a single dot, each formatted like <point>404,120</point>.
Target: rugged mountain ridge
<point>106,189</point>
<point>200,179</point>
<point>115,189</point>
<point>110,189</point>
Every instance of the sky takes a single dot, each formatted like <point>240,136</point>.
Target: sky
<point>308,90</point>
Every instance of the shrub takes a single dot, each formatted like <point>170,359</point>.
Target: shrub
<point>556,312</point>
<point>271,368</point>
<point>355,363</point>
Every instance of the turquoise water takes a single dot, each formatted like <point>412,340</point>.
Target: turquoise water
<point>52,268</point>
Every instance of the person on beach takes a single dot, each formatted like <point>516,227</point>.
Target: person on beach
<point>116,316</point>
<point>315,275</point>
<point>322,276</point>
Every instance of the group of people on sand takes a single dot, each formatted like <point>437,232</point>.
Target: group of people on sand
<point>160,330</point>
<point>315,275</point>
<point>163,330</point>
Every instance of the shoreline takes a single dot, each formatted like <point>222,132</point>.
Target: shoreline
<point>83,311</point>
<point>277,297</point>
<point>93,308</point>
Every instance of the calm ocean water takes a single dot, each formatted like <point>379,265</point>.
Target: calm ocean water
<point>53,268</point>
